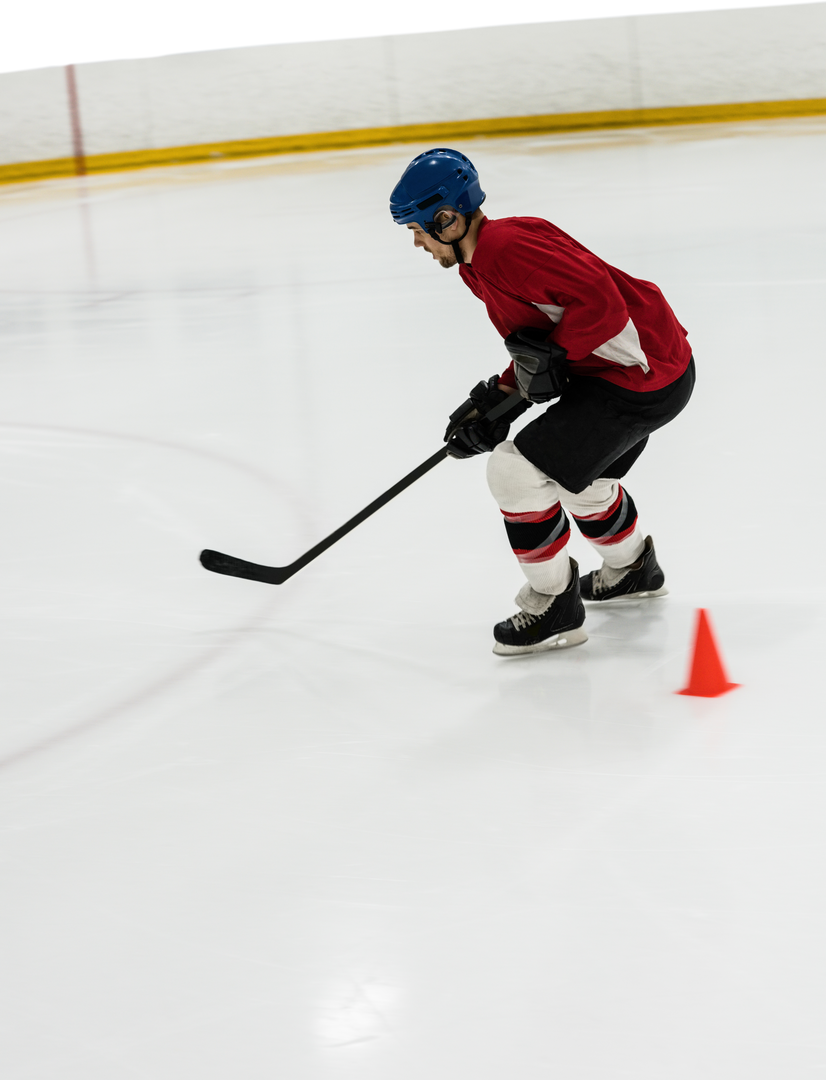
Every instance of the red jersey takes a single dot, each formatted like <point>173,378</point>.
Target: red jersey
<point>527,271</point>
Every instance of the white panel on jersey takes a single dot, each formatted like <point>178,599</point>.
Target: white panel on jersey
<point>624,349</point>
<point>553,311</point>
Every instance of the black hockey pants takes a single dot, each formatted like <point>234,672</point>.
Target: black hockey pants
<point>597,429</point>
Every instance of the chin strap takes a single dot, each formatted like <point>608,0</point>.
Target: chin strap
<point>457,251</point>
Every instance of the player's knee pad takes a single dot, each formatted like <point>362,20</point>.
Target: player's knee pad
<point>597,498</point>
<point>516,484</point>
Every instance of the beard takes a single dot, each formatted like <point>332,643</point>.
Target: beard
<point>447,260</point>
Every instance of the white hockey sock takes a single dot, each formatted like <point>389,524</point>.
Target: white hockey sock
<point>607,517</point>
<point>537,526</point>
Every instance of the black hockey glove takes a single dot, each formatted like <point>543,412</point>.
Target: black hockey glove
<point>540,365</point>
<point>468,432</point>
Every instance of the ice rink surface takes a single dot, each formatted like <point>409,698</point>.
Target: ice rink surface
<point>319,831</point>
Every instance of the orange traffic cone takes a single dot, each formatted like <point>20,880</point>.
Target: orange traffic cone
<point>708,677</point>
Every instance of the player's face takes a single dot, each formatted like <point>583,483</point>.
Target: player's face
<point>442,253</point>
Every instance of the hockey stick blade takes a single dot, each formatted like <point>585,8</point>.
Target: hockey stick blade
<point>219,563</point>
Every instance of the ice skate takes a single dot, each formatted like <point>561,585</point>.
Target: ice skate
<point>545,622</point>
<point>639,581</point>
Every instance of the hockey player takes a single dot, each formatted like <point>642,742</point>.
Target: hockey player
<point>603,347</point>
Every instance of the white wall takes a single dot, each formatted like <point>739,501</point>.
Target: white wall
<point>639,62</point>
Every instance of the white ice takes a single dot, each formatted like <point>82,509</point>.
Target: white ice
<point>319,831</point>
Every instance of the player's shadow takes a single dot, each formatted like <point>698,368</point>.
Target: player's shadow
<point>633,626</point>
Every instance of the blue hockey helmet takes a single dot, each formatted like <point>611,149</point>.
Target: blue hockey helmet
<point>432,181</point>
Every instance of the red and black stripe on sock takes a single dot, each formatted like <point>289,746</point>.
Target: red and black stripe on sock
<point>613,525</point>
<point>539,535</point>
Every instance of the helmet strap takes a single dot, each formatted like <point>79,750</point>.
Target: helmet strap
<point>457,251</point>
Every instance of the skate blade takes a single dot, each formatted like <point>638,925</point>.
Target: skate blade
<point>628,597</point>
<point>564,640</point>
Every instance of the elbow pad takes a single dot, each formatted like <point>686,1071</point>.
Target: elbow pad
<point>539,364</point>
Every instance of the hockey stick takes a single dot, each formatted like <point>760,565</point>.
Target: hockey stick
<point>219,563</point>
